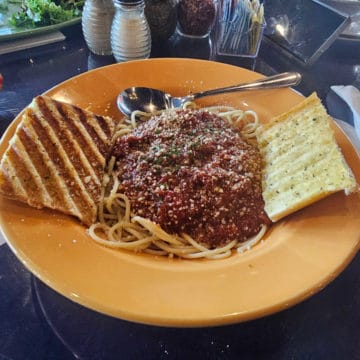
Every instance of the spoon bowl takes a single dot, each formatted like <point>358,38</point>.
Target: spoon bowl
<point>152,100</point>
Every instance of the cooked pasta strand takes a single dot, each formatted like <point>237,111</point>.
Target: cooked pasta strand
<point>119,228</point>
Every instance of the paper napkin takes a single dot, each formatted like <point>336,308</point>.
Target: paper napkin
<point>351,96</point>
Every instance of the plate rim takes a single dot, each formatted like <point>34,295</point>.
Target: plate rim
<point>155,320</point>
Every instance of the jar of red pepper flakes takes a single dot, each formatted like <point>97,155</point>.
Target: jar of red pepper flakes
<point>196,17</point>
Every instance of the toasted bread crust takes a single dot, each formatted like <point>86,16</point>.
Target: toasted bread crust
<point>56,158</point>
<point>309,102</point>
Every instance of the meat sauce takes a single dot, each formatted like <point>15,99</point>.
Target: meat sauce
<point>190,171</point>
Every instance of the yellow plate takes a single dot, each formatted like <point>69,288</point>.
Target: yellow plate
<point>299,256</point>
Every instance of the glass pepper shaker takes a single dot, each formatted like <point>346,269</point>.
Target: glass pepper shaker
<point>97,17</point>
<point>196,17</point>
<point>161,16</point>
<point>130,31</point>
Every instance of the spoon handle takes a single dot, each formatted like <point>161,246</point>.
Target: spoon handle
<point>271,82</point>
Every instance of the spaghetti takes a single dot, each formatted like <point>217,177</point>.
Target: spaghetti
<point>135,225</point>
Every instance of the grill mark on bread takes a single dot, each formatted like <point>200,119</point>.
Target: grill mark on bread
<point>59,159</point>
<point>82,166</point>
<point>80,126</point>
<point>31,179</point>
<point>38,156</point>
<point>10,181</point>
<point>28,186</point>
<point>104,124</point>
<point>52,161</point>
<point>302,161</point>
<point>94,147</point>
<point>6,184</point>
<point>97,137</point>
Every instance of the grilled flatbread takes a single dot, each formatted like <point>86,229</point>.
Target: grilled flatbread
<point>56,158</point>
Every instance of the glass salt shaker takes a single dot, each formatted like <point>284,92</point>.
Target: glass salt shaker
<point>130,31</point>
<point>97,17</point>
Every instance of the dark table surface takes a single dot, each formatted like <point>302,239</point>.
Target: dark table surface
<point>37,323</point>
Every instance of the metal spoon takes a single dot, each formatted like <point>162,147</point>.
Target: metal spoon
<point>151,100</point>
